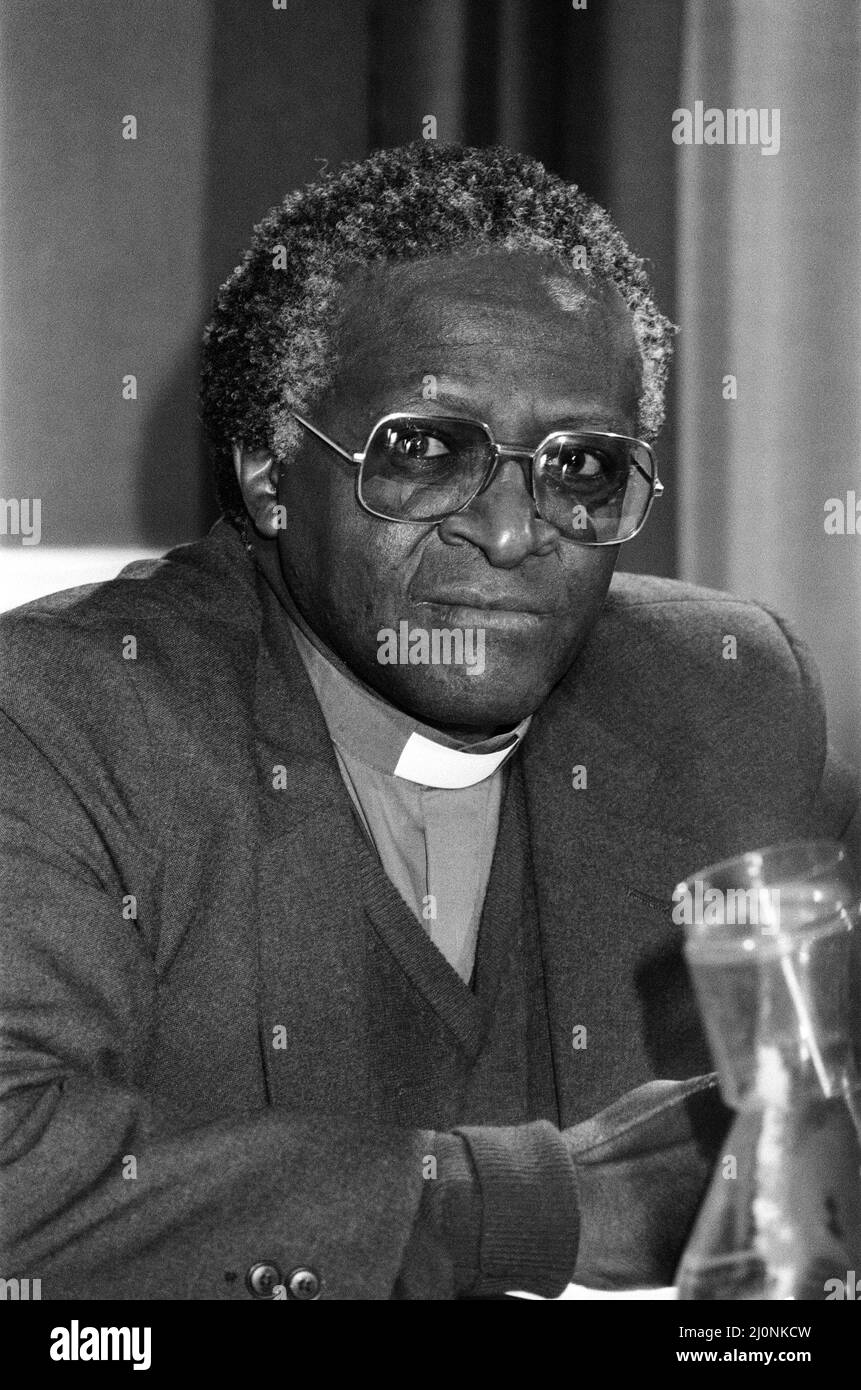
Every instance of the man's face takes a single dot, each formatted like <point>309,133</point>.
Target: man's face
<point>526,347</point>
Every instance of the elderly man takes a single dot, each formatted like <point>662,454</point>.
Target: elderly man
<point>339,956</point>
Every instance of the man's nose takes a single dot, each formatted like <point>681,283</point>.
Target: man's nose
<point>502,520</point>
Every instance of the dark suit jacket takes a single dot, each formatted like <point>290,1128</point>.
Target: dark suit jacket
<point>140,1036</point>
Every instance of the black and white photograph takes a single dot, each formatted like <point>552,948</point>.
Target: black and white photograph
<point>430,669</point>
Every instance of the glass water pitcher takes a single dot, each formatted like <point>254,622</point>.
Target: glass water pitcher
<point>772,942</point>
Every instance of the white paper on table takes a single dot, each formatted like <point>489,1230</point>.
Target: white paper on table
<point>579,1291</point>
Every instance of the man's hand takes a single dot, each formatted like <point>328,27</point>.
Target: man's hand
<point>643,1166</point>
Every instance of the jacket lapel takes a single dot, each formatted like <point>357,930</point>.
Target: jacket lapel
<point>311,991</point>
<point>619,1007</point>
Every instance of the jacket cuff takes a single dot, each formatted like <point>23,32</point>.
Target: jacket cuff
<point>530,1222</point>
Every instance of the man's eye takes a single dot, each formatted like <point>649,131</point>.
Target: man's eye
<point>415,444</point>
<point>580,463</point>
<point>584,466</point>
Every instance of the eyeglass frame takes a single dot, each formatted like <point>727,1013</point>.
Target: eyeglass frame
<point>498,451</point>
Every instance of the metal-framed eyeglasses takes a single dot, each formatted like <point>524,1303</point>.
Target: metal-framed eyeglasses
<point>596,488</point>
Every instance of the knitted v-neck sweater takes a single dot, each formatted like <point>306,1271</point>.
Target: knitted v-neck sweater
<point>475,1065</point>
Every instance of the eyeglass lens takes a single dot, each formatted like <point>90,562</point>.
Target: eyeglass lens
<point>588,486</point>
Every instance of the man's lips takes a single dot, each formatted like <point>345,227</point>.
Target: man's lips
<point>484,602</point>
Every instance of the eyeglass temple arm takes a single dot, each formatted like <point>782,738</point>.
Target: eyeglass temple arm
<point>657,485</point>
<point>306,424</point>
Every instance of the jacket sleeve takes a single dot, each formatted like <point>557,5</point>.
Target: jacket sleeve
<point>101,1196</point>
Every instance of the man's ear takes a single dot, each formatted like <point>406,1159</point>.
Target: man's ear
<point>257,475</point>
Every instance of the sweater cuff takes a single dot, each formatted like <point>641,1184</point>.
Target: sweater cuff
<point>530,1222</point>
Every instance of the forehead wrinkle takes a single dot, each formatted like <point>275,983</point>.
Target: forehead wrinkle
<point>481,313</point>
<point>470,395</point>
<point>468,381</point>
<point>492,315</point>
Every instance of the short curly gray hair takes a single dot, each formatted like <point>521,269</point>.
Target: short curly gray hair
<point>268,348</point>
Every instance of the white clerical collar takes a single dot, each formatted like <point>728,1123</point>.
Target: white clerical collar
<point>434,765</point>
<point>367,727</point>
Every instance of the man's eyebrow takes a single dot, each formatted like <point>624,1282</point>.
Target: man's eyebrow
<point>585,420</point>
<point>582,418</point>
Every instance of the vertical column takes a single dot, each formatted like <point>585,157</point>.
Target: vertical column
<point>770,270</point>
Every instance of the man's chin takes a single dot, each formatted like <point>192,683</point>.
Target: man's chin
<point>477,703</point>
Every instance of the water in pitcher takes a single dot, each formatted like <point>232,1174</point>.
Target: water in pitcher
<point>773,955</point>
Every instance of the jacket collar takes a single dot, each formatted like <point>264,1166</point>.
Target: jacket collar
<point>308,900</point>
